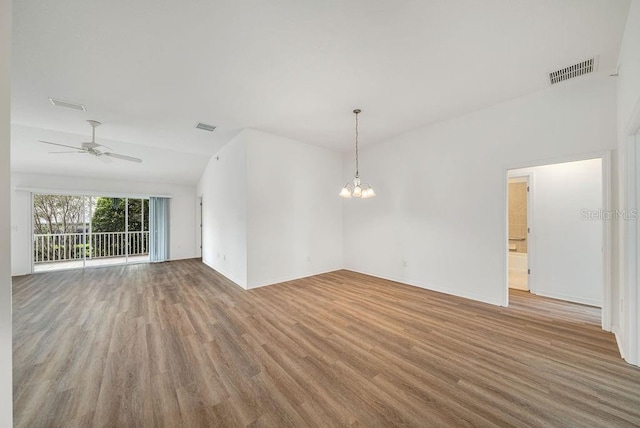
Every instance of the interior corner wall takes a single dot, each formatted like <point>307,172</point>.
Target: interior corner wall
<point>183,244</point>
<point>294,213</point>
<point>6,383</point>
<point>567,231</point>
<point>223,188</point>
<point>625,313</point>
<point>439,220</point>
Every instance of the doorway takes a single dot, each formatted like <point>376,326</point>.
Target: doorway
<point>518,213</point>
<point>561,236</point>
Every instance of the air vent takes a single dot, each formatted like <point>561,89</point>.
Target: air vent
<point>205,127</point>
<point>67,104</point>
<point>575,70</point>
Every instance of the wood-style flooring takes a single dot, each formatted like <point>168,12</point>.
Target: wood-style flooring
<point>177,345</point>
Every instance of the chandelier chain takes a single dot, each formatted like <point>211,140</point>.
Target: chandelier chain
<point>357,170</point>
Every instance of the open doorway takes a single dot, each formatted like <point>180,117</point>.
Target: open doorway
<point>557,244</point>
<point>518,258</point>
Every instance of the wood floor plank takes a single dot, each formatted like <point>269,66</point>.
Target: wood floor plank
<point>176,344</point>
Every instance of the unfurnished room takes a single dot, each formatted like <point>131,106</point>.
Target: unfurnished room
<point>319,213</point>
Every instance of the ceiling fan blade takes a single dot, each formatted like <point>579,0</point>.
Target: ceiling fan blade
<point>61,145</point>
<point>123,157</point>
<point>103,158</point>
<point>81,151</point>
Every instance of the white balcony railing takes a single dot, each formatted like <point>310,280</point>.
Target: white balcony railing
<point>74,246</point>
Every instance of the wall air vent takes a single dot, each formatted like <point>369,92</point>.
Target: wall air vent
<point>575,70</point>
<point>205,127</point>
<point>67,104</point>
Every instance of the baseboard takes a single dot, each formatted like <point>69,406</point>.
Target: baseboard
<point>171,259</point>
<point>13,275</point>
<point>617,334</point>
<point>573,299</point>
<point>225,274</point>
<point>431,287</point>
<point>277,280</point>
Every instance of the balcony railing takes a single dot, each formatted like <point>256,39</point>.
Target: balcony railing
<point>74,246</point>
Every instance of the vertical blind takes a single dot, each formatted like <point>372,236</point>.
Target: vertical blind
<point>158,229</point>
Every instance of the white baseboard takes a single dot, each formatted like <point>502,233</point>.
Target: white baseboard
<point>574,299</point>
<point>617,333</point>
<point>285,278</point>
<point>227,275</point>
<point>171,259</point>
<point>431,287</point>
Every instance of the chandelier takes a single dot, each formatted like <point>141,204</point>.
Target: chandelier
<point>357,190</point>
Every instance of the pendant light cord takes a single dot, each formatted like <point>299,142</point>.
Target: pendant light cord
<point>357,170</point>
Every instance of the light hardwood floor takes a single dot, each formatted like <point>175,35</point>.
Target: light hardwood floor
<point>175,344</point>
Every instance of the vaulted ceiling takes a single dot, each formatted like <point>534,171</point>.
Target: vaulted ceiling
<point>149,70</point>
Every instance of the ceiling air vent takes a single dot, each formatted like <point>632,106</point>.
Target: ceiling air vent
<point>205,127</point>
<point>67,104</point>
<point>575,70</point>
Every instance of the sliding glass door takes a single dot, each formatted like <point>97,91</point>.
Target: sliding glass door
<point>138,230</point>
<point>108,235</point>
<point>79,231</point>
<point>59,232</point>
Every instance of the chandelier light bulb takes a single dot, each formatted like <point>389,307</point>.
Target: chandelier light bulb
<point>368,193</point>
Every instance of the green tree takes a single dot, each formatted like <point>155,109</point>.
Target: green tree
<point>57,214</point>
<point>110,215</point>
<point>138,214</point>
<point>58,222</point>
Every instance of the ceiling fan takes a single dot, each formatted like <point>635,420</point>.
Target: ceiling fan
<point>91,147</point>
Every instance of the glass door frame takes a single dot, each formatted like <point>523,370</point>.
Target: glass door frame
<point>87,240</point>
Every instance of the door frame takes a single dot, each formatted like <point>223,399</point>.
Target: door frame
<point>32,235</point>
<point>630,244</point>
<point>84,196</point>
<point>530,231</point>
<point>199,209</point>
<point>605,156</point>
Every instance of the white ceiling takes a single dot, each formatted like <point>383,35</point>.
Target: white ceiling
<point>149,70</point>
<point>159,164</point>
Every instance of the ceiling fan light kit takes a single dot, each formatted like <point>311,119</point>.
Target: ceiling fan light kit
<point>91,147</point>
<point>357,190</point>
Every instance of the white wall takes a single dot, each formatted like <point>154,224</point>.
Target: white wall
<point>223,187</point>
<point>6,384</point>
<point>270,210</point>
<point>295,215</point>
<point>182,210</point>
<point>567,234</point>
<point>440,208</point>
<point>21,240</point>
<point>626,315</point>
